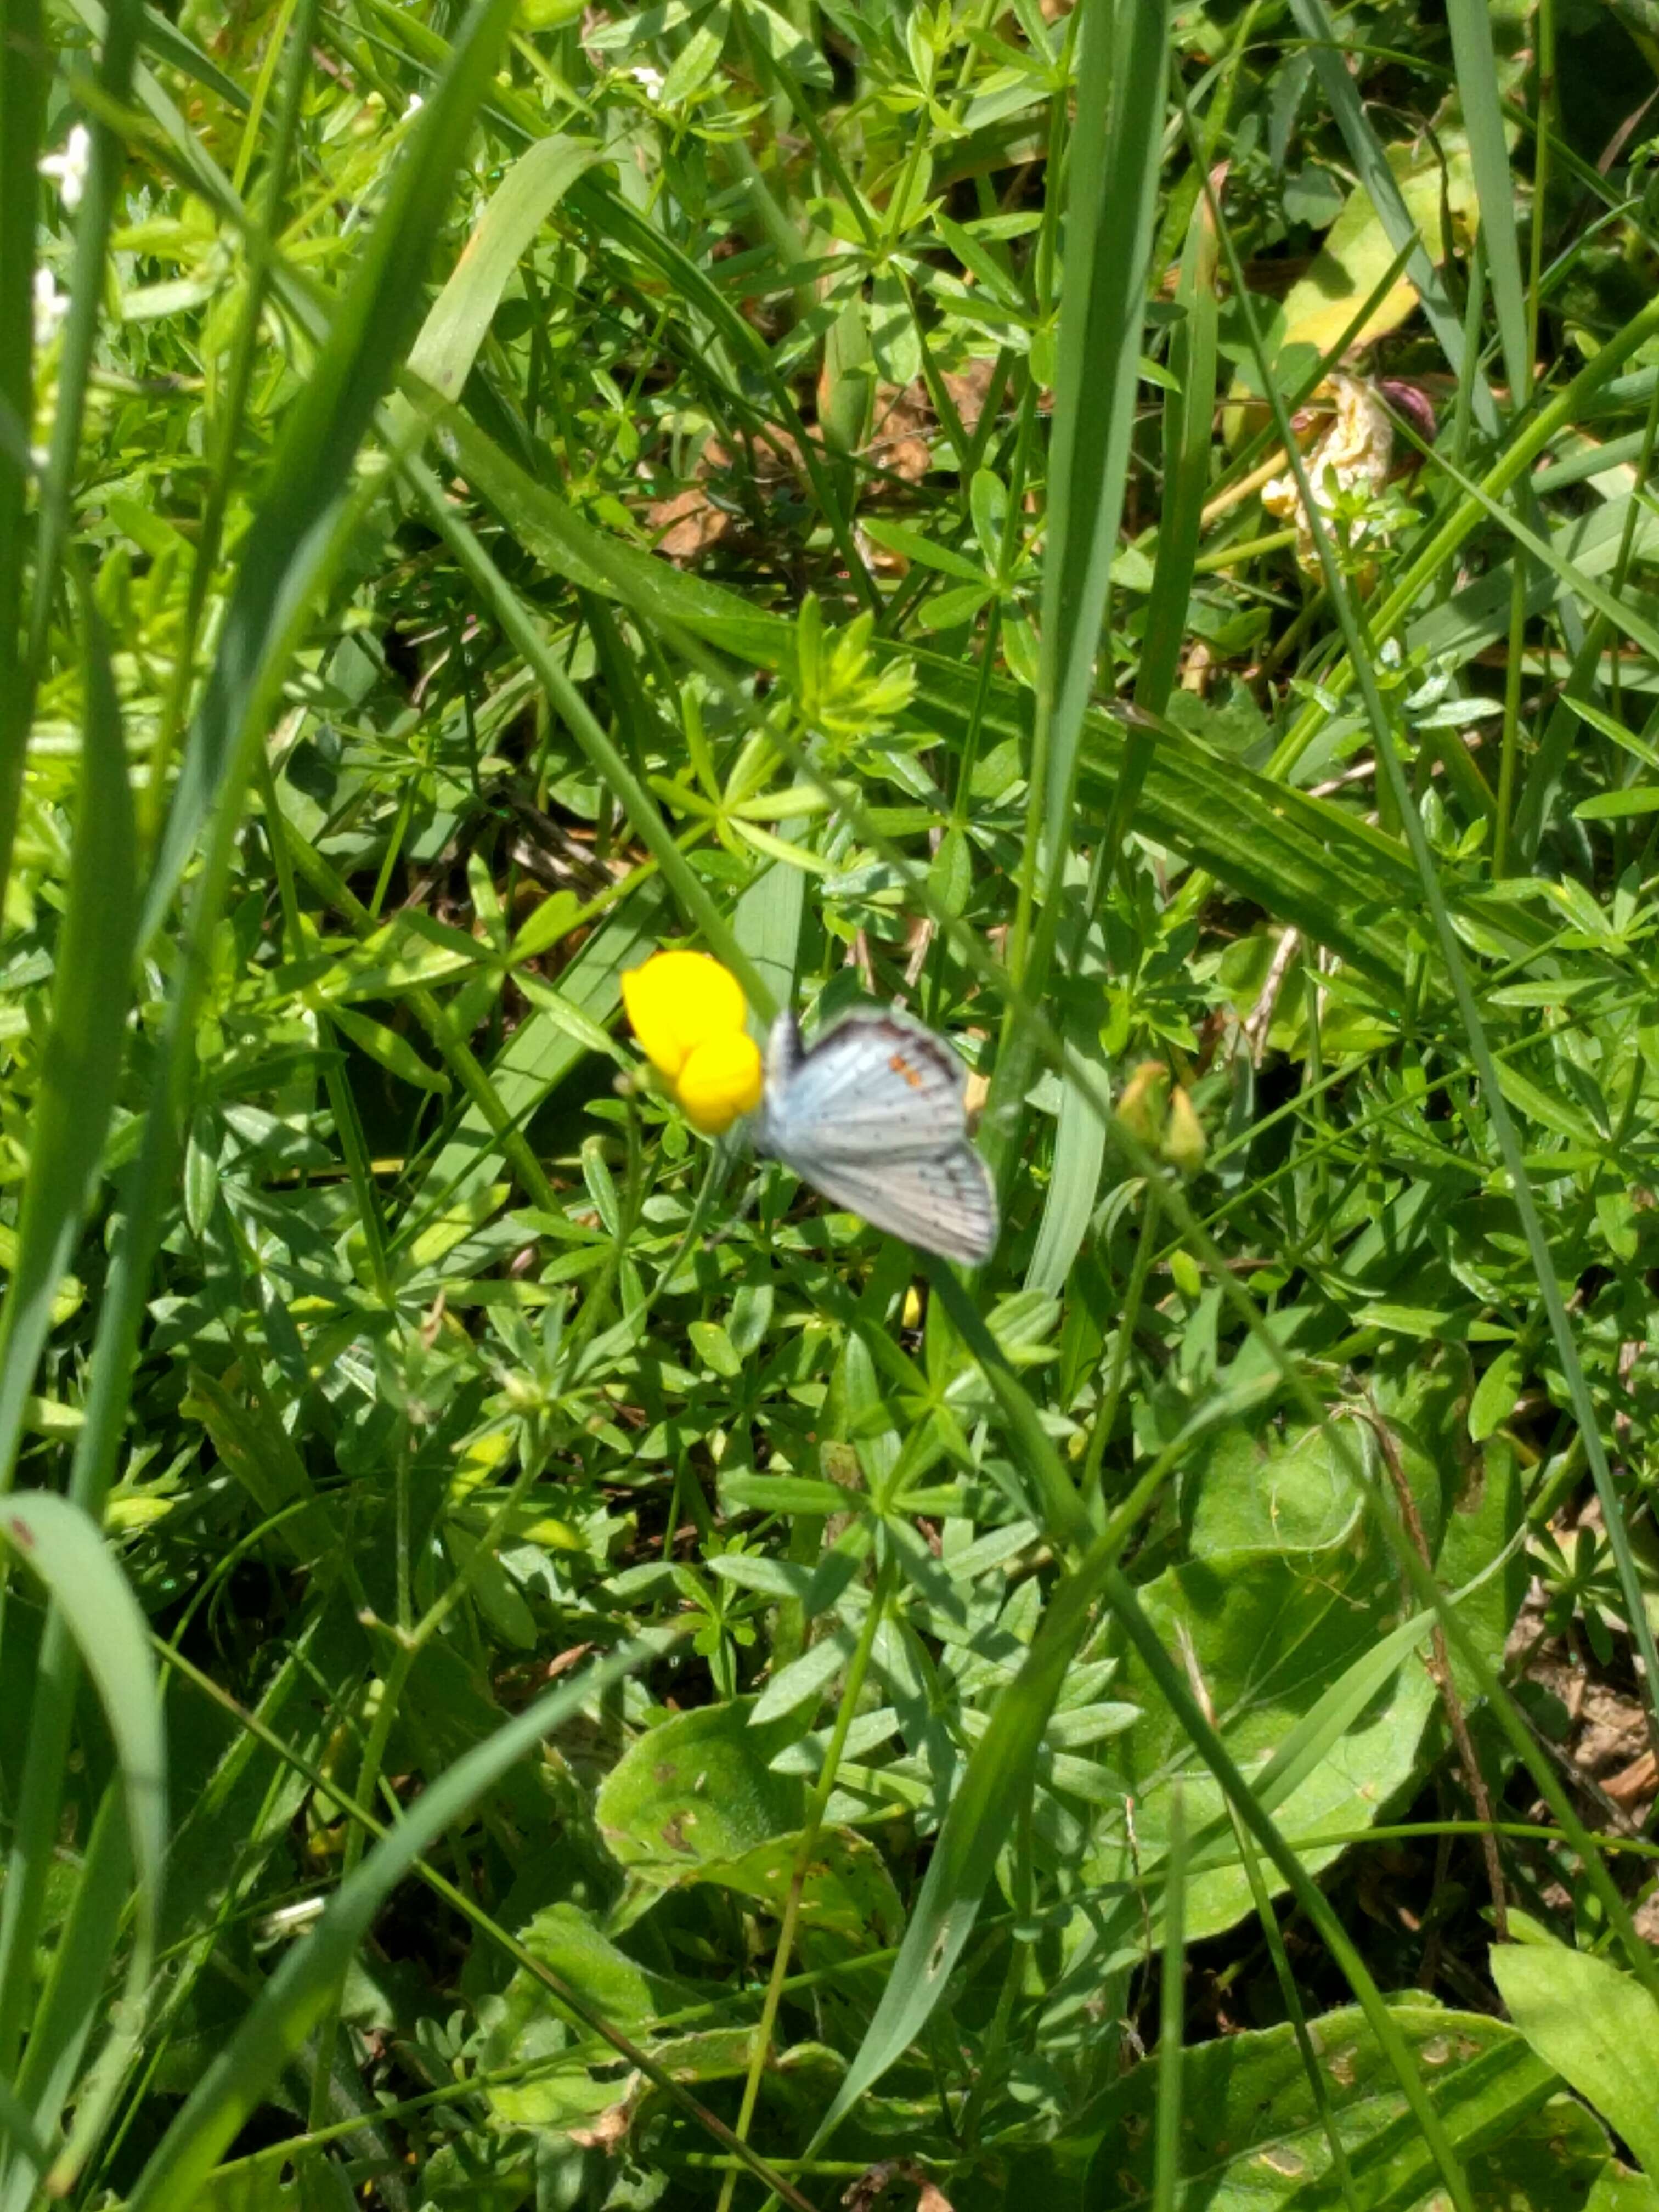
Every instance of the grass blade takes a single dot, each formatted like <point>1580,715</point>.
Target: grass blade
<point>91,1597</point>
<point>454,330</point>
<point>1111,208</point>
<point>1189,443</point>
<point>25,66</point>
<point>88,1039</point>
<point>1477,82</point>
<point>1166,2176</point>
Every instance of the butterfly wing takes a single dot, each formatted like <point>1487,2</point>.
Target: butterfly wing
<point>940,1201</point>
<point>873,1119</point>
<point>873,1086</point>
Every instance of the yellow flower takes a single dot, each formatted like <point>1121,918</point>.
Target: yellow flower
<point>687,1013</point>
<point>719,1082</point>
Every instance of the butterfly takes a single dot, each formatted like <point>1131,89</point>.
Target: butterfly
<point>873,1118</point>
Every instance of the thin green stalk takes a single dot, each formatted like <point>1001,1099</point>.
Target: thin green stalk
<point>24,71</point>
<point>1520,579</point>
<point>1172,1991</point>
<point>1295,2011</point>
<point>852,1690</point>
<point>1128,1320</point>
<point>1543,140</point>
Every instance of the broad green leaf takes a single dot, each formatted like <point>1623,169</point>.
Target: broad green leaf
<point>1597,2026</point>
<point>698,1790</point>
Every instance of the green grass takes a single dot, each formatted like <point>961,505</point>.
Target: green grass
<point>534,1674</point>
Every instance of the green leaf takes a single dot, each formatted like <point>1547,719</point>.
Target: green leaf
<point>1495,1395</point>
<point>1597,2027</point>
<point>395,1054</point>
<point>1618,805</point>
<point>453,331</point>
<point>696,1790</point>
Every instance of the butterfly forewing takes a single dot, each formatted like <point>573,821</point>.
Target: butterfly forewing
<point>873,1086</point>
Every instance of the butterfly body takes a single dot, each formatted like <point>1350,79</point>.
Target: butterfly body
<point>873,1118</point>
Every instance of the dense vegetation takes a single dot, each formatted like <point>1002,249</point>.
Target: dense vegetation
<point>528,1680</point>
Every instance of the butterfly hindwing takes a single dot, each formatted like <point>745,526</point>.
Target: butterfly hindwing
<point>939,1201</point>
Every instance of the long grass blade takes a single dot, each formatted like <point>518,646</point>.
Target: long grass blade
<point>88,1038</point>
<point>373,326</point>
<point>93,1599</point>
<point>25,68</point>
<point>1111,208</point>
<point>1494,183</point>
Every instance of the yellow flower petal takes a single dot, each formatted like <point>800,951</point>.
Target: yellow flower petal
<point>720,1080</point>
<point>679,1000</point>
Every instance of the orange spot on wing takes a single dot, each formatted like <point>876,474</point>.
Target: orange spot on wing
<point>900,1065</point>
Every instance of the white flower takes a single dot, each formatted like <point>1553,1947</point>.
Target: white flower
<point>652,80</point>
<point>416,104</point>
<point>50,307</point>
<point>71,166</point>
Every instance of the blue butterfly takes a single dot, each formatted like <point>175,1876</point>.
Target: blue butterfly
<point>873,1117</point>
